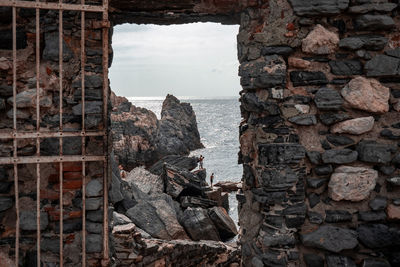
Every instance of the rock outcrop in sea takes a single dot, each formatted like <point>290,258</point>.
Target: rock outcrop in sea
<point>139,138</point>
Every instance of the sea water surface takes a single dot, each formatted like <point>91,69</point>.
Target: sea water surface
<point>218,123</point>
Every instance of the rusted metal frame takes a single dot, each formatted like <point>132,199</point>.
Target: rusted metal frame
<point>25,135</point>
<point>16,189</point>
<point>60,61</point>
<point>105,261</point>
<point>52,6</point>
<point>49,159</point>
<point>38,139</point>
<point>83,61</point>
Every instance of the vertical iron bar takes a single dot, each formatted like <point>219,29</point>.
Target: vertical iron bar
<point>14,45</point>
<point>38,130</point>
<point>60,61</point>
<point>105,30</point>
<point>83,61</point>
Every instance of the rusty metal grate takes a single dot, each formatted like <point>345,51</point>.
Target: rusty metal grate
<point>13,134</point>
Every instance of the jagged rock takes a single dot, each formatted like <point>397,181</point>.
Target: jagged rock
<point>331,238</point>
<point>346,67</point>
<point>332,118</point>
<point>180,182</point>
<point>355,126</point>
<point>320,41</point>
<point>372,216</point>
<point>374,22</point>
<point>338,260</point>
<point>339,156</point>
<point>375,235</point>
<point>382,66</point>
<point>181,162</point>
<point>224,224</point>
<point>378,203</point>
<point>335,216</point>
<point>199,225</point>
<point>265,72</point>
<point>147,182</point>
<point>177,132</point>
<point>328,99</point>
<point>369,42</point>
<point>313,260</point>
<point>367,94</point>
<point>158,219</point>
<point>318,7</point>
<point>304,120</point>
<point>352,183</point>
<point>304,78</point>
<point>188,201</point>
<point>370,151</point>
<point>340,140</point>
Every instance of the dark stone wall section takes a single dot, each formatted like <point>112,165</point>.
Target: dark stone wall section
<point>319,137</point>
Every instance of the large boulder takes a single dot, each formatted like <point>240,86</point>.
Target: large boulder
<point>146,181</point>
<point>225,225</point>
<point>181,162</point>
<point>199,225</point>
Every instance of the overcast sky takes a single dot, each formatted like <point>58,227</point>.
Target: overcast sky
<point>198,59</point>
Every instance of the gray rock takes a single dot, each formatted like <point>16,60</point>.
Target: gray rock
<point>316,183</point>
<point>280,153</point>
<point>180,162</point>
<point>91,107</point>
<point>257,74</point>
<point>318,7</point>
<point>280,178</point>
<point>94,243</point>
<point>338,260</point>
<point>120,219</point>
<point>305,78</point>
<point>375,235</point>
<point>315,217</point>
<point>95,228</point>
<point>314,157</point>
<point>28,220</point>
<point>372,152</point>
<point>339,156</point>
<point>313,260</point>
<point>304,120</point>
<point>5,187</point>
<point>328,99</point>
<point>340,140</point>
<point>51,146</point>
<point>51,51</point>
<point>373,262</point>
<point>277,50</point>
<point>2,104</point>
<point>147,182</point>
<point>91,81</point>
<point>199,225</point>
<point>372,216</point>
<point>188,201</point>
<point>323,170</point>
<point>335,216</point>
<point>332,118</point>
<point>5,203</point>
<point>94,203</point>
<point>50,244</point>
<point>331,238</point>
<point>224,224</point>
<point>94,216</point>
<point>378,203</point>
<point>394,180</point>
<point>381,7</point>
<point>374,22</point>
<point>393,52</point>
<point>382,66</point>
<point>278,240</point>
<point>346,67</point>
<point>94,188</point>
<point>251,102</point>
<point>313,199</point>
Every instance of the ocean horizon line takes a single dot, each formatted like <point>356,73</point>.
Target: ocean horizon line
<point>147,98</point>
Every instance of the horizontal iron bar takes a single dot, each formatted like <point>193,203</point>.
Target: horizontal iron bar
<point>54,6</point>
<point>49,159</point>
<point>22,135</point>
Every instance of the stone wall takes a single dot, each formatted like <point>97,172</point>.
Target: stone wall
<point>49,121</point>
<point>319,137</point>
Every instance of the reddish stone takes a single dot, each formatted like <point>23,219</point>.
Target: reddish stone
<point>290,27</point>
<point>49,194</point>
<point>55,214</point>
<point>70,238</point>
<point>70,166</point>
<point>298,63</point>
<point>72,175</point>
<point>72,184</point>
<point>354,126</point>
<point>320,41</point>
<point>393,212</point>
<point>48,71</point>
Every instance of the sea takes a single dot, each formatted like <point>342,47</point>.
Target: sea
<point>218,121</point>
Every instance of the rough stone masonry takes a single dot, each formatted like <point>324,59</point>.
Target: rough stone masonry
<point>319,137</point>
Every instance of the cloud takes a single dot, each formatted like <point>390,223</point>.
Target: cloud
<point>150,58</point>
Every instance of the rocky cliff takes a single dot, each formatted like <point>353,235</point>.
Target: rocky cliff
<point>139,138</point>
